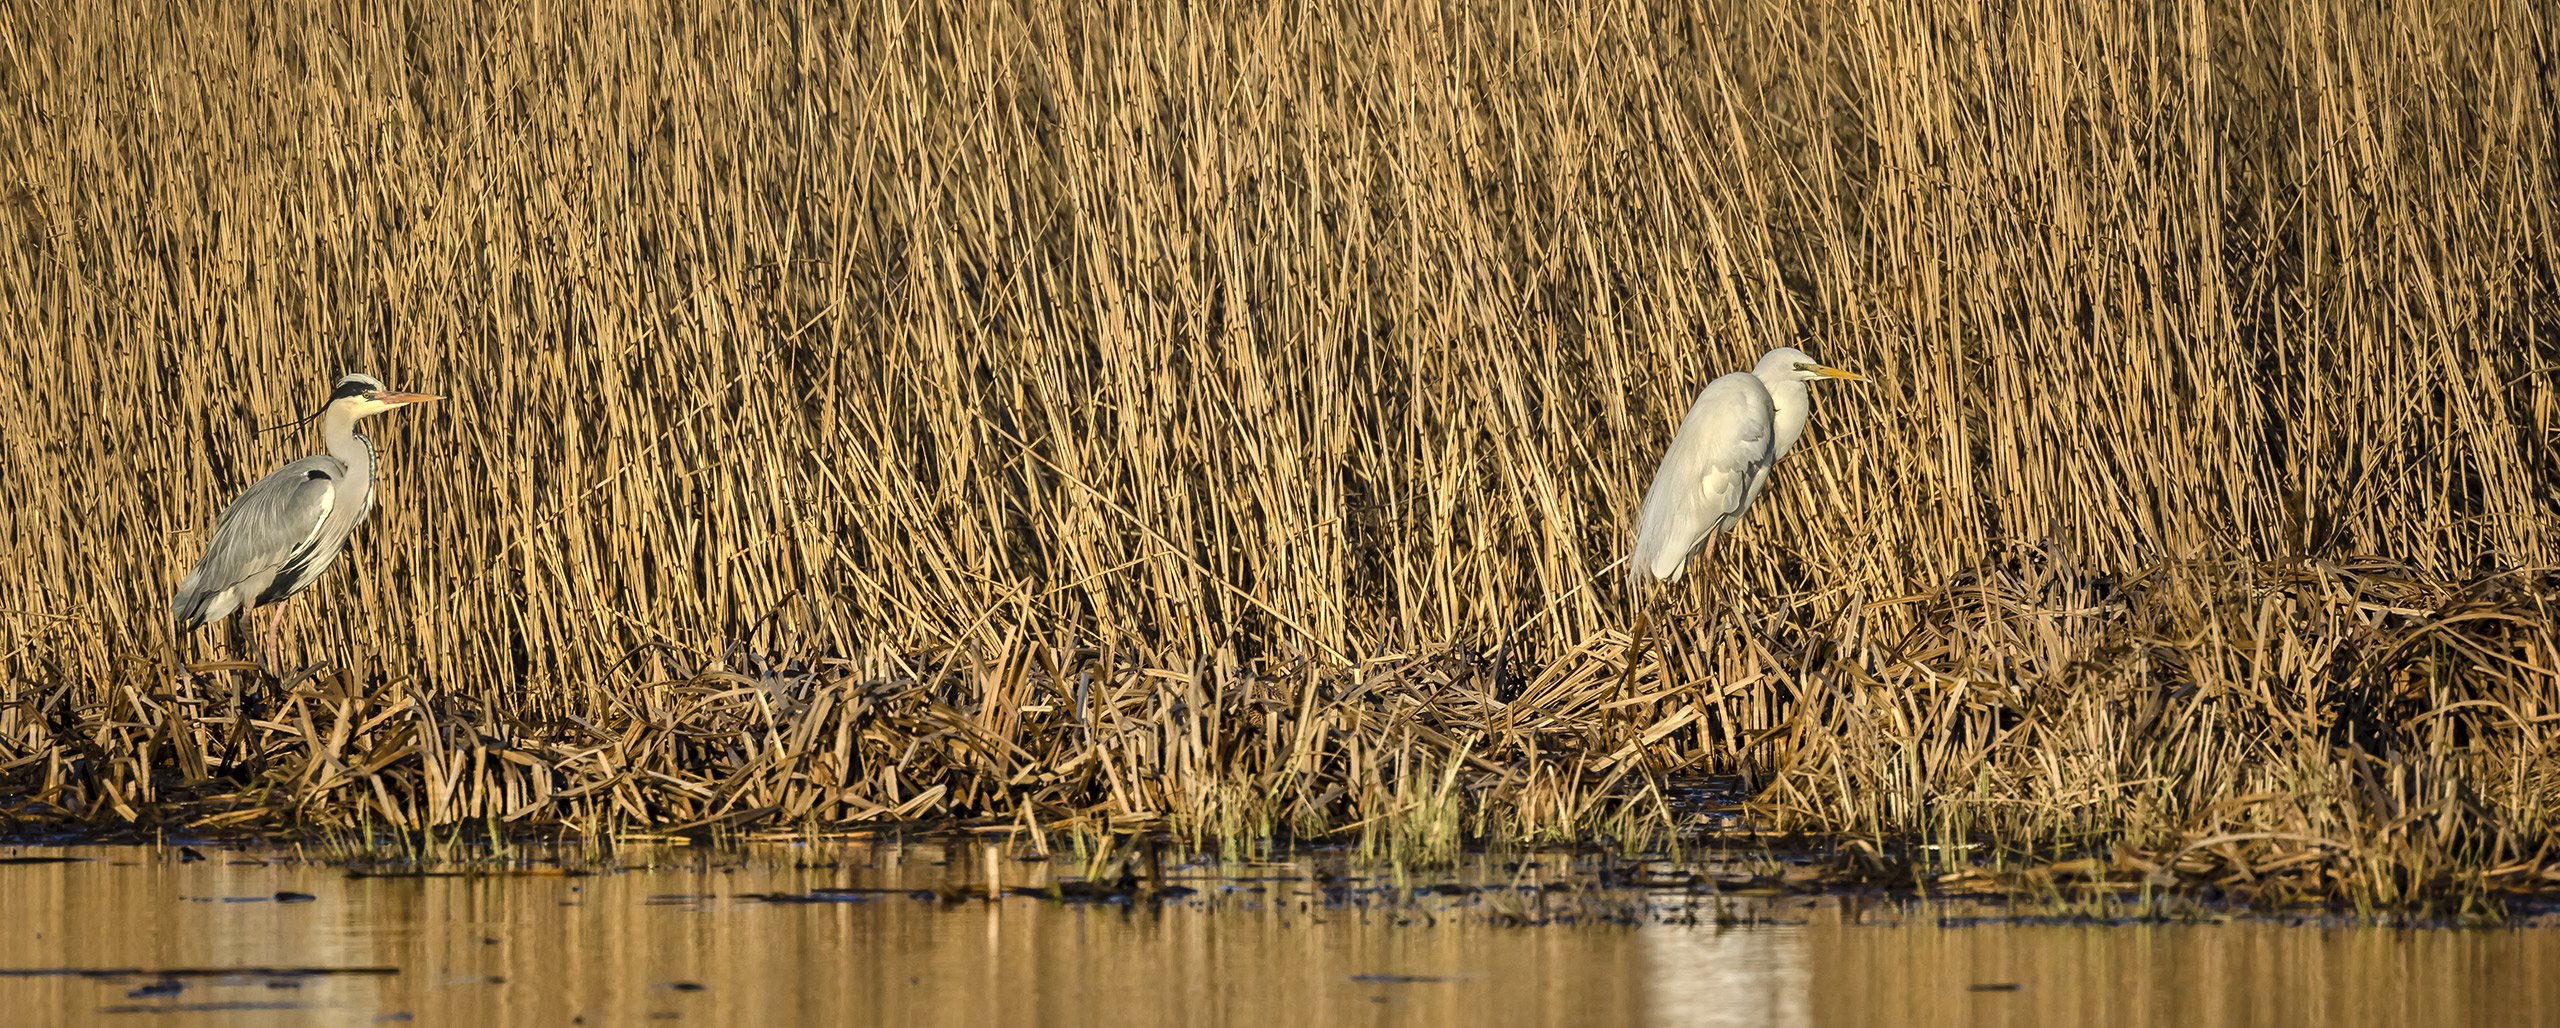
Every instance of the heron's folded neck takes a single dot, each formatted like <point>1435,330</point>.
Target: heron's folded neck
<point>338,433</point>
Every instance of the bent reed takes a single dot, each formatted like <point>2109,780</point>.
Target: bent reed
<point>1101,417</point>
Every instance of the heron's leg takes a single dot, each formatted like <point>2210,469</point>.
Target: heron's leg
<point>275,629</point>
<point>185,676</point>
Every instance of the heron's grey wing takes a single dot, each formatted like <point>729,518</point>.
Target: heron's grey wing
<point>256,536</point>
<point>1706,478</point>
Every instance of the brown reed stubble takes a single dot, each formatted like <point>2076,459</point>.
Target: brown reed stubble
<point>1340,333</point>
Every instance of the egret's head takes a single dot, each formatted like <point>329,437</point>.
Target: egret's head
<point>363,396</point>
<point>1788,363</point>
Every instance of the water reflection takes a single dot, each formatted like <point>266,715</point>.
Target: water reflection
<point>1760,975</point>
<point>687,942</point>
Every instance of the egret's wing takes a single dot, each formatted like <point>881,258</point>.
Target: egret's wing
<point>1706,478</point>
<point>261,531</point>
<point>1760,478</point>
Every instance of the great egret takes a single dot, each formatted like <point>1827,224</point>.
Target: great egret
<point>1739,427</point>
<point>276,539</point>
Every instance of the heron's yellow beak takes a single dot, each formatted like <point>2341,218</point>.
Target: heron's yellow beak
<point>1845,376</point>
<point>386,396</point>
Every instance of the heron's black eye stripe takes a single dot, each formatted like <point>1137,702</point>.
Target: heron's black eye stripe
<point>354,388</point>
<point>317,473</point>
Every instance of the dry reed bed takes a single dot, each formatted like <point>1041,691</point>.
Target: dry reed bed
<point>1264,364</point>
<point>2283,732</point>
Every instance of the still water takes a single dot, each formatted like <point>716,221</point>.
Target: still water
<point>150,936</point>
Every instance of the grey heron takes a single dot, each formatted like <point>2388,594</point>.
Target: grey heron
<point>1735,432</point>
<point>283,532</point>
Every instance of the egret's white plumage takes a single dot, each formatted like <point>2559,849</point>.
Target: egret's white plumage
<point>1719,460</point>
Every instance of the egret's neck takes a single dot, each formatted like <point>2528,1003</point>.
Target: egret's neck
<point>1789,402</point>
<point>338,433</point>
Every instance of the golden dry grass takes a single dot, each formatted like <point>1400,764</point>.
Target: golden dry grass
<point>1116,415</point>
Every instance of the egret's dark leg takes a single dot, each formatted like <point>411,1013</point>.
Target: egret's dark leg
<point>1637,639</point>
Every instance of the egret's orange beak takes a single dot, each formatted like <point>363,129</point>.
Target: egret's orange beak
<point>1845,376</point>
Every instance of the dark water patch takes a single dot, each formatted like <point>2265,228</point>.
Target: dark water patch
<point>537,871</point>
<point>215,1007</point>
<point>2076,920</point>
<point>241,973</point>
<point>822,896</point>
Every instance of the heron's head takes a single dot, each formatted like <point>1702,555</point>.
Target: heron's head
<point>1787,362</point>
<point>363,396</point>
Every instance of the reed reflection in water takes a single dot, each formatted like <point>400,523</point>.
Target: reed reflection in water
<point>686,942</point>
